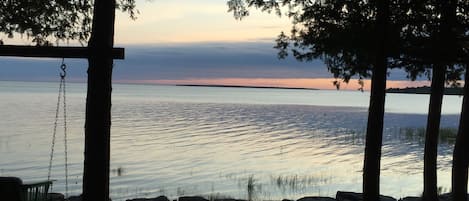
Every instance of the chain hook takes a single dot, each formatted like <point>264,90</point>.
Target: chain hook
<point>63,67</point>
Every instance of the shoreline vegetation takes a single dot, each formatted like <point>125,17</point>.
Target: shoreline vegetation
<point>255,190</point>
<point>425,90</point>
<point>240,86</point>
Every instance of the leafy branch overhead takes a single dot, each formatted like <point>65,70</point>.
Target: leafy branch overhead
<point>338,32</point>
<point>342,34</point>
<point>45,20</point>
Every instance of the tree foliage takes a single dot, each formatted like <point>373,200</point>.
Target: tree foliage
<point>435,32</point>
<point>46,20</point>
<point>340,33</point>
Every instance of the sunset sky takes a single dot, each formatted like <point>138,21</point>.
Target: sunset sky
<point>193,42</point>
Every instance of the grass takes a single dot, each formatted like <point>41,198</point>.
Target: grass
<point>258,187</point>
<point>251,187</point>
<point>297,183</point>
<point>218,196</point>
<point>447,135</point>
<point>442,190</point>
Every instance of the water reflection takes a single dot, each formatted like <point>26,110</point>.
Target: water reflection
<point>222,149</point>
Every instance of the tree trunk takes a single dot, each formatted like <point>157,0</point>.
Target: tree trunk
<point>432,131</point>
<point>98,103</point>
<point>461,148</point>
<point>374,131</point>
<point>444,51</point>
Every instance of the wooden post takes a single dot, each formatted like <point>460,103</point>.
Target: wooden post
<point>52,51</point>
<point>100,54</point>
<point>98,103</point>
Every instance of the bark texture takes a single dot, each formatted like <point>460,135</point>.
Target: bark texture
<point>98,103</point>
<point>374,131</point>
<point>432,131</point>
<point>461,149</point>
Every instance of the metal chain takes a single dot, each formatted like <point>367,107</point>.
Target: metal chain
<point>64,67</point>
<point>55,130</point>
<point>62,94</point>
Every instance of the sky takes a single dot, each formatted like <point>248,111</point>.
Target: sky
<point>193,42</point>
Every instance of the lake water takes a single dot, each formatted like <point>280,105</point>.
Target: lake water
<point>227,142</point>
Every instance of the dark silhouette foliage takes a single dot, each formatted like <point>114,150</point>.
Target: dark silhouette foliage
<point>48,21</point>
<point>341,33</point>
<point>62,20</point>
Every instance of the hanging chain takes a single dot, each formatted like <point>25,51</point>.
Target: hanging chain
<point>63,67</point>
<point>62,79</point>
<point>55,129</point>
<point>62,94</point>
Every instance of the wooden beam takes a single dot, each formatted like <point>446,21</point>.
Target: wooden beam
<point>52,52</point>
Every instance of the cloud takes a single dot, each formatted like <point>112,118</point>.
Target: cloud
<point>34,69</point>
<point>194,21</point>
<point>212,60</point>
<point>181,61</point>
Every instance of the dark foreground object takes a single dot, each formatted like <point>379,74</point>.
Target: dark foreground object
<point>442,197</point>
<point>316,199</point>
<point>13,189</point>
<point>350,196</point>
<point>160,198</point>
<point>52,52</point>
<point>340,196</point>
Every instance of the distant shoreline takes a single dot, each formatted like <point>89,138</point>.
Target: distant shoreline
<point>240,86</point>
<point>425,90</point>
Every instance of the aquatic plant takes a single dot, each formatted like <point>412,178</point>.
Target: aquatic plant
<point>218,196</point>
<point>251,187</point>
<point>447,135</point>
<point>180,192</point>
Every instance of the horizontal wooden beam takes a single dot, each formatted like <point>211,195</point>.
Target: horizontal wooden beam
<point>52,52</point>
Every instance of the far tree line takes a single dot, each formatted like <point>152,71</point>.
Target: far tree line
<point>363,39</point>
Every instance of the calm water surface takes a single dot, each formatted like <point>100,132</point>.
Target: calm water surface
<point>232,142</point>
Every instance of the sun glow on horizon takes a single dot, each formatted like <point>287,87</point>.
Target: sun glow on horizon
<point>316,83</point>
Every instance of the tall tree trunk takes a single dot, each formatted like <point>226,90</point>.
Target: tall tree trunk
<point>461,149</point>
<point>374,131</point>
<point>98,103</point>
<point>431,135</point>
<point>443,54</point>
